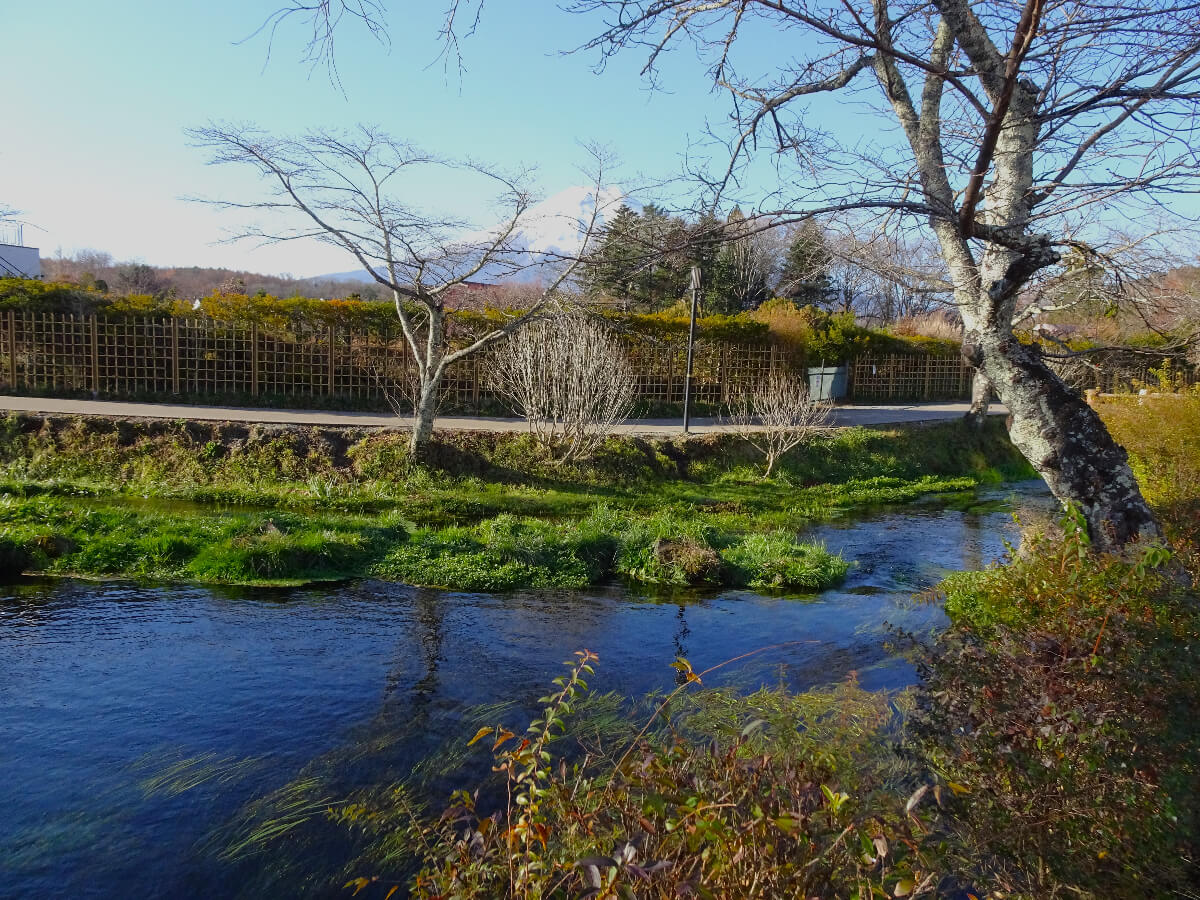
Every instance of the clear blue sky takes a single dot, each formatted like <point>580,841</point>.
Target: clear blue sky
<point>98,96</point>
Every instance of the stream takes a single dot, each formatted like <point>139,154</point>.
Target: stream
<point>140,725</point>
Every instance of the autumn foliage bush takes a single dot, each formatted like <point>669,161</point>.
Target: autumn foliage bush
<point>792,796</point>
<point>1063,701</point>
<point>1060,705</point>
<point>1162,435</point>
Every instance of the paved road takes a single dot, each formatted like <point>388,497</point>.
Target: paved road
<point>846,415</point>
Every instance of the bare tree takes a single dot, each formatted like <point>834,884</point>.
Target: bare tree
<point>322,18</point>
<point>139,278</point>
<point>345,190</point>
<point>777,414</point>
<point>570,378</point>
<point>1022,122</point>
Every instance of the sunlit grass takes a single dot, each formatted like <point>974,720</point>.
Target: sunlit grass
<point>280,506</point>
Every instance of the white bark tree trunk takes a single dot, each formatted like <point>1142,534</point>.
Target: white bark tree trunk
<point>1063,438</point>
<point>430,357</point>
<point>981,398</point>
<point>424,411</point>
<point>1066,442</point>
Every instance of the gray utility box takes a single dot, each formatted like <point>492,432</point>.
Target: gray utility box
<point>828,383</point>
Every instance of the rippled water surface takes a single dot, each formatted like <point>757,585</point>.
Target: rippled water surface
<point>139,723</point>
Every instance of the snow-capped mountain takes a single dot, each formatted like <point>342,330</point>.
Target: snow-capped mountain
<point>559,224</point>
<point>549,232</point>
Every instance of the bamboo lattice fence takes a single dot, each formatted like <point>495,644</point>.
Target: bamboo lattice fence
<point>323,365</point>
<point>1121,371</point>
<point>899,376</point>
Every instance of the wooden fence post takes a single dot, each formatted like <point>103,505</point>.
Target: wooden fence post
<point>722,367</point>
<point>175,379</point>
<point>476,378</point>
<point>669,355</point>
<point>254,359</point>
<point>332,365</point>
<point>94,329</point>
<point>12,349</point>
<point>928,374</point>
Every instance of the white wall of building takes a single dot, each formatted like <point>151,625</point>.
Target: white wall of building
<point>25,261</point>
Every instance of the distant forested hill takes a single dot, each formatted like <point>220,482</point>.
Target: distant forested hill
<point>91,268</point>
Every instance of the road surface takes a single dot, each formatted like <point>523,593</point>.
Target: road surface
<point>842,416</point>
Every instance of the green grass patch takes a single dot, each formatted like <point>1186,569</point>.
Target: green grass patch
<point>775,560</point>
<point>96,539</point>
<point>271,504</point>
<point>669,548</point>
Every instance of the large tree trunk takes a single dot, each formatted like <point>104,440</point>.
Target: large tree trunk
<point>981,397</point>
<point>429,378</point>
<point>1065,441</point>
<point>424,411</point>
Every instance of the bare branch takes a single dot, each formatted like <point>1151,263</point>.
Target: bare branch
<point>346,189</point>
<point>569,378</point>
<point>777,415</point>
<point>323,19</point>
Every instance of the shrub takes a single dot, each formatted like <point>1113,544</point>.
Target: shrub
<point>787,797</point>
<point>1053,578</point>
<point>1162,435</point>
<point>777,415</point>
<point>569,378</point>
<point>1056,710</point>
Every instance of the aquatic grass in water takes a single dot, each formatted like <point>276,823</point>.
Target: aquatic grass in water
<point>174,774</point>
<point>675,545</point>
<point>270,818</point>
<point>62,537</point>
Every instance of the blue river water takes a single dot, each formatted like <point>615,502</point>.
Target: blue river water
<point>140,723</point>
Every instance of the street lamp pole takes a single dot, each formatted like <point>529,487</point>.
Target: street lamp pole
<point>687,380</point>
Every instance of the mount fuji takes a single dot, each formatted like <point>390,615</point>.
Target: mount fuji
<point>548,232</point>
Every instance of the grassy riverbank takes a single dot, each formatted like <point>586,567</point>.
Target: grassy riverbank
<point>272,505</point>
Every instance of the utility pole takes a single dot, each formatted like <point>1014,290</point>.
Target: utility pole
<point>687,379</point>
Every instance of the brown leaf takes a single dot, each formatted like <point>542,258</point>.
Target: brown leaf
<point>480,735</point>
